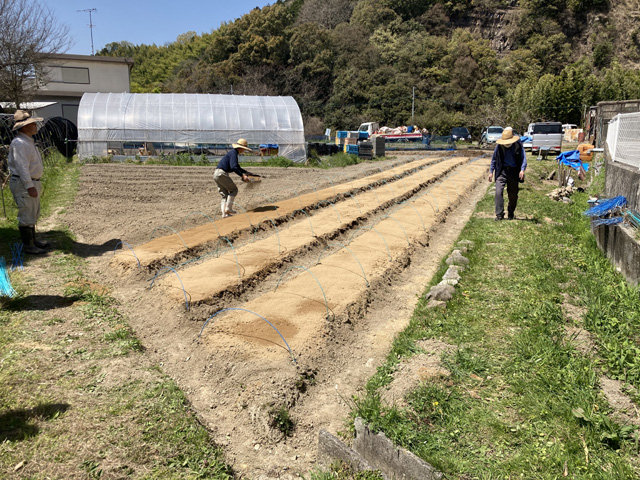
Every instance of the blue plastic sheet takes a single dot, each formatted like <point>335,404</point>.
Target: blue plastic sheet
<point>572,159</point>
<point>606,207</point>
<point>526,138</point>
<point>607,221</point>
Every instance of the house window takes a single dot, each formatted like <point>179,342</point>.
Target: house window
<point>58,74</point>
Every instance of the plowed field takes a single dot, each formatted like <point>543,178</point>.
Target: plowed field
<point>292,302</point>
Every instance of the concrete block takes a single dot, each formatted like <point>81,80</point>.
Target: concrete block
<point>444,293</point>
<point>394,463</point>
<point>619,244</point>
<point>332,450</point>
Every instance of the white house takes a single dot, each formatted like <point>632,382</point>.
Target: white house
<point>68,77</point>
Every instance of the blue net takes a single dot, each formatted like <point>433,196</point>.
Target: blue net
<point>17,256</point>
<point>633,218</point>
<point>6,290</point>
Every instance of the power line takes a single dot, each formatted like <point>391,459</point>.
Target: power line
<point>91,25</point>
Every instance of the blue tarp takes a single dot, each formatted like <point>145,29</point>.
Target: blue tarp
<point>526,138</point>
<point>572,159</point>
<point>605,207</point>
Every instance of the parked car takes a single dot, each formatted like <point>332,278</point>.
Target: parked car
<point>547,138</point>
<point>568,126</point>
<point>460,134</point>
<point>490,134</point>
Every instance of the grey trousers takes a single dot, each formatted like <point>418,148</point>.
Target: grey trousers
<point>28,207</point>
<point>508,177</point>
<point>226,186</point>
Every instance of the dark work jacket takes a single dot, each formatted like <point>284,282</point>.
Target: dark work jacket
<point>497,161</point>
<point>229,163</point>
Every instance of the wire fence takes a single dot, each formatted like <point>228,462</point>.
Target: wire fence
<point>623,139</point>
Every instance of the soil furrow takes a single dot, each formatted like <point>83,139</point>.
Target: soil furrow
<point>240,369</point>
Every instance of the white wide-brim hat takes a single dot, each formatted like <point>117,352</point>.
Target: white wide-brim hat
<point>23,119</point>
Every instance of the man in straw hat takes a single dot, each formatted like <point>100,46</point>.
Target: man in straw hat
<point>227,188</point>
<point>508,165</point>
<point>26,168</point>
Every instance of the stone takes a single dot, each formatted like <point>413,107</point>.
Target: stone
<point>465,245</point>
<point>457,268</point>
<point>451,282</point>
<point>451,274</point>
<point>443,293</point>
<point>457,260</point>
<point>436,304</point>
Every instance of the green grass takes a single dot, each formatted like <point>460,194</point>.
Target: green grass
<point>521,401</point>
<point>79,399</point>
<point>340,471</point>
<point>59,186</point>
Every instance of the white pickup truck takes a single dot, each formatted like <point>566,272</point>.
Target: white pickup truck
<point>546,138</point>
<point>392,135</point>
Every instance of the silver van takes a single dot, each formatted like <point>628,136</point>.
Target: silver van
<point>546,138</point>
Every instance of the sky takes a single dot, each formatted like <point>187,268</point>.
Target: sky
<point>139,21</point>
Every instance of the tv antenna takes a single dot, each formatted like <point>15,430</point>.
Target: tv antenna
<point>91,25</point>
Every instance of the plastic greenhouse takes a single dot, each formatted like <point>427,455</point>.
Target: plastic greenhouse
<point>128,124</point>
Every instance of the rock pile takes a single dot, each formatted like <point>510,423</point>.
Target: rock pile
<point>561,194</point>
<point>440,294</point>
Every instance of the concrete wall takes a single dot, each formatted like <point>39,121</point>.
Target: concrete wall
<point>374,451</point>
<point>622,179</point>
<point>622,249</point>
<point>616,241</point>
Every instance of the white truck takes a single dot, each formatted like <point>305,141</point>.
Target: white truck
<point>392,134</point>
<point>546,138</point>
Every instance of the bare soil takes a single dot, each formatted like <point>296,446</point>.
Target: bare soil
<point>326,267</point>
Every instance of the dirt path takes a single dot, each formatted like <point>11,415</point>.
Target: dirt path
<point>374,250</point>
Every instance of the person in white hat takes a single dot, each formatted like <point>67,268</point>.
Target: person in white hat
<point>226,186</point>
<point>26,168</point>
<point>507,167</point>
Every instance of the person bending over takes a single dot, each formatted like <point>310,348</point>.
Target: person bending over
<point>226,186</point>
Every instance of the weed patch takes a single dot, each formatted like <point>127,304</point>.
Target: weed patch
<point>520,400</point>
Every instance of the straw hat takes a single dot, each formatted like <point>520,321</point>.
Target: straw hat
<point>23,119</point>
<point>242,143</point>
<point>508,137</point>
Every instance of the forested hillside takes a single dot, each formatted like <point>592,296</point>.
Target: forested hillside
<point>471,63</point>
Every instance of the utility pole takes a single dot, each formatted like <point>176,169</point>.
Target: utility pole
<point>91,25</point>
<point>413,105</point>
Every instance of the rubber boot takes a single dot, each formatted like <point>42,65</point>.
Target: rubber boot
<point>229,209</point>
<point>35,240</point>
<point>27,242</point>
<point>223,207</point>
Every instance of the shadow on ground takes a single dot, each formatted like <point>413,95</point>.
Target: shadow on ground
<point>21,424</point>
<point>60,241</point>
<point>39,303</point>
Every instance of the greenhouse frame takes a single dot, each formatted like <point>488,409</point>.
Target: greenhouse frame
<point>124,125</point>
